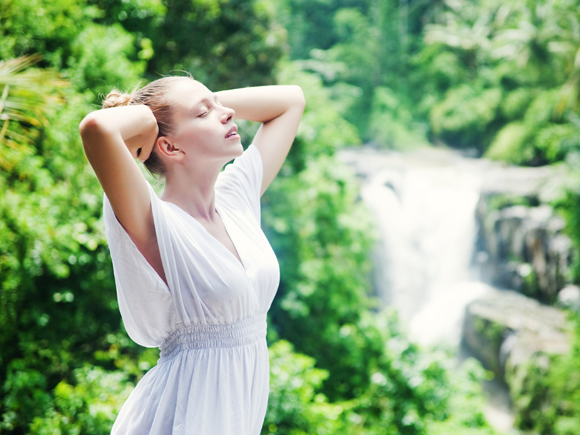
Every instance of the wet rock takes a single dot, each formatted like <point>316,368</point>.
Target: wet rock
<point>515,336</point>
<point>569,297</point>
<point>506,328</point>
<point>525,247</point>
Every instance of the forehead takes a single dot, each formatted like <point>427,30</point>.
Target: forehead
<point>187,93</point>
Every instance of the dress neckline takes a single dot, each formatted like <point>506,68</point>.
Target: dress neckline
<point>218,210</point>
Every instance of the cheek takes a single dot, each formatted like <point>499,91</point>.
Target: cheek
<point>199,138</point>
<point>190,135</point>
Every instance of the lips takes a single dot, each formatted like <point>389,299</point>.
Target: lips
<point>232,132</point>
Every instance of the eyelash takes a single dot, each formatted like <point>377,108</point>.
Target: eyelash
<point>204,114</point>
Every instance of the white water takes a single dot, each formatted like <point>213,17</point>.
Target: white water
<point>424,206</point>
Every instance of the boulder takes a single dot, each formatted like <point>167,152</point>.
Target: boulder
<point>515,337</point>
<point>504,329</point>
<point>523,247</point>
<point>569,297</point>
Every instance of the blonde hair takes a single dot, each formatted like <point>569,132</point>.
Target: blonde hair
<point>155,96</point>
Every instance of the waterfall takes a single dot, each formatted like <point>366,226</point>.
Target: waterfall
<point>424,206</point>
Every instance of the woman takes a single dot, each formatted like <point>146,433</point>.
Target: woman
<point>195,274</point>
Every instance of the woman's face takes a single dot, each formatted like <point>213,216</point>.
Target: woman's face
<point>204,129</point>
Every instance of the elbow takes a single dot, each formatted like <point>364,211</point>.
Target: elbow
<point>92,130</point>
<point>93,127</point>
<point>88,125</point>
<point>300,100</point>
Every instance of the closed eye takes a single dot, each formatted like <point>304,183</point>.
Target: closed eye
<point>204,113</point>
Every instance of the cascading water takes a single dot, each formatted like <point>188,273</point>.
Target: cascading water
<point>424,206</point>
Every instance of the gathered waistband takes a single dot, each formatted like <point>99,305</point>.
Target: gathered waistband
<point>243,332</point>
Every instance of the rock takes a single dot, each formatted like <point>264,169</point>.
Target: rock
<point>506,327</point>
<point>569,297</point>
<point>526,248</point>
<point>515,337</point>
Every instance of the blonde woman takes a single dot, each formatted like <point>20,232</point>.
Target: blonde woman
<point>195,274</point>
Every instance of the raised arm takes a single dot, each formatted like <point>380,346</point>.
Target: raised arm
<point>279,109</point>
<point>112,139</point>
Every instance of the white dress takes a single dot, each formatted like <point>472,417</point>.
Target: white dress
<point>209,321</point>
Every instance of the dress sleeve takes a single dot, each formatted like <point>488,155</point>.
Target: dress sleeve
<point>243,179</point>
<point>145,301</point>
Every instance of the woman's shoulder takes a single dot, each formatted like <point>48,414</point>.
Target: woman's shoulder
<point>248,165</point>
<point>241,181</point>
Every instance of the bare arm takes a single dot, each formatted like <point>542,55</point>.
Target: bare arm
<point>112,139</point>
<point>279,109</point>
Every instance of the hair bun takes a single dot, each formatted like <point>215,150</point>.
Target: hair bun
<point>116,98</point>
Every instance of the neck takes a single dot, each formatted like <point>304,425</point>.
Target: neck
<point>192,189</point>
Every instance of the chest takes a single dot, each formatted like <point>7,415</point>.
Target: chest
<point>219,232</point>
<point>230,255</point>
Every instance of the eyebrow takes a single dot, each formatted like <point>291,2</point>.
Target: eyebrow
<point>205,100</point>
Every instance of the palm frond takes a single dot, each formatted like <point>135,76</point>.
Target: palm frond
<point>27,94</point>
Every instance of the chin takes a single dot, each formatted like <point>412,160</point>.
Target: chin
<point>234,152</point>
<point>239,150</point>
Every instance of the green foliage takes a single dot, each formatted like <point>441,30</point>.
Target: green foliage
<point>102,58</point>
<point>444,71</point>
<point>549,399</point>
<point>66,363</point>
<point>542,108</point>
<point>360,44</point>
<point>511,144</point>
<point>392,124</point>
<point>555,141</point>
<point>26,96</point>
<point>223,44</point>
<point>41,26</point>
<point>466,403</point>
<point>322,129</point>
<point>89,406</point>
<point>568,205</point>
<point>515,103</point>
<point>465,114</point>
<point>377,381</point>
<point>323,228</point>
<point>540,137</point>
<point>522,49</point>
<point>294,406</point>
<point>467,70</point>
<point>58,310</point>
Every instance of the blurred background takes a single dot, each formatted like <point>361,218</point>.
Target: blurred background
<point>427,220</point>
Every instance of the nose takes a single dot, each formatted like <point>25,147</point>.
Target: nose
<point>228,115</point>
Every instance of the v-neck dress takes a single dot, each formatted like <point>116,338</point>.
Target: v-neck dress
<point>209,321</point>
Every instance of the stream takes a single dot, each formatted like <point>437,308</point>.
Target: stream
<point>424,205</point>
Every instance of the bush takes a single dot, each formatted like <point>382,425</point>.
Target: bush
<point>511,145</point>
<point>392,125</point>
<point>463,117</point>
<point>295,407</point>
<point>551,403</point>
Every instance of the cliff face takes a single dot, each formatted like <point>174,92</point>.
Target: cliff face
<point>515,337</point>
<point>523,247</point>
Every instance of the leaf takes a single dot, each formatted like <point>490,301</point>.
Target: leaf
<point>26,94</point>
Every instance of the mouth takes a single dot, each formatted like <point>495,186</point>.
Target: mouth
<point>233,132</point>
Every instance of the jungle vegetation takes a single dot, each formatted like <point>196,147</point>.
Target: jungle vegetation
<point>498,78</point>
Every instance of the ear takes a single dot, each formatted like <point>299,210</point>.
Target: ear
<point>167,147</point>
